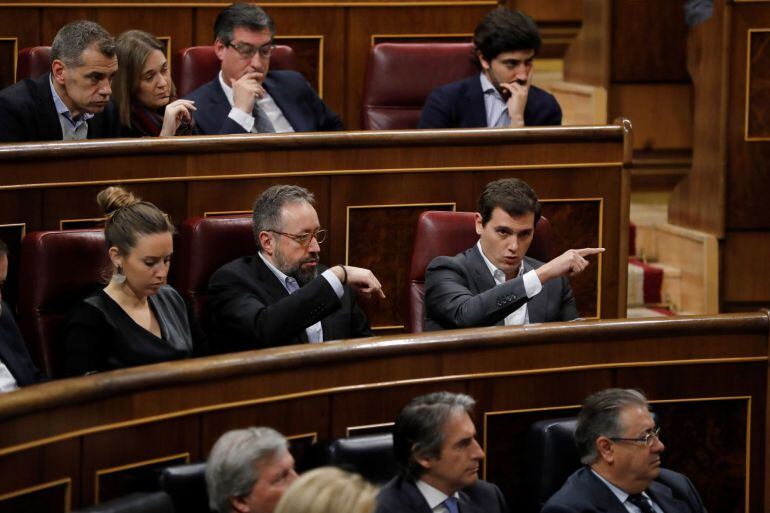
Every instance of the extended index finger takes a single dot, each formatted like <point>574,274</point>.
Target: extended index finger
<point>589,251</point>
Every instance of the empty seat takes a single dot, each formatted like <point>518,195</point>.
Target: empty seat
<point>371,456</point>
<point>186,485</point>
<point>400,76</point>
<point>442,233</point>
<point>33,61</point>
<point>194,66</point>
<point>140,502</point>
<point>205,245</point>
<point>58,270</point>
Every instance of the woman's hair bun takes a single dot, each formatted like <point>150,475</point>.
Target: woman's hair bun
<point>114,198</point>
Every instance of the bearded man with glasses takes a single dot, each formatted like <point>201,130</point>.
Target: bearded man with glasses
<point>244,98</point>
<point>620,445</point>
<point>283,295</point>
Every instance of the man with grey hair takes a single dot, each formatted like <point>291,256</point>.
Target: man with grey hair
<point>72,102</point>
<point>248,470</point>
<point>434,441</point>
<point>282,295</point>
<point>619,443</point>
<point>244,97</point>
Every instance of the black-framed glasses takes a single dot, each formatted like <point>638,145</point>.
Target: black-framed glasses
<point>248,51</point>
<point>647,439</point>
<point>303,239</point>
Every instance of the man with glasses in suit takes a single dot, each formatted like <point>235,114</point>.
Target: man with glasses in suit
<point>283,295</point>
<point>244,98</point>
<point>620,445</point>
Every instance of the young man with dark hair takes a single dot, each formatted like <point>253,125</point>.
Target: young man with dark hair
<point>434,440</point>
<point>16,367</point>
<point>502,95</point>
<point>494,283</point>
<point>72,102</point>
<point>244,97</point>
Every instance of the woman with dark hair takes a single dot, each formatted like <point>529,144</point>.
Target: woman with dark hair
<point>137,318</point>
<point>144,91</point>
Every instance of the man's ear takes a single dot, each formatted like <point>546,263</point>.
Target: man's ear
<point>219,49</point>
<point>424,462</point>
<point>606,449</point>
<point>239,505</point>
<point>267,242</point>
<point>482,60</point>
<point>57,71</point>
<point>479,224</point>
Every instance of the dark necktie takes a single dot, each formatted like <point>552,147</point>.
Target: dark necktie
<point>451,505</point>
<point>641,502</point>
<point>261,122</point>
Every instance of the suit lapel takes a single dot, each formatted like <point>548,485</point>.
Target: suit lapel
<point>48,109</point>
<point>475,114</point>
<point>536,307</point>
<point>604,498</point>
<point>481,276</point>
<point>284,102</point>
<point>273,286</point>
<point>662,495</point>
<point>415,500</point>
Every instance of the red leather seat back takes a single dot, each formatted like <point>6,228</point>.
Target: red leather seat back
<point>33,61</point>
<point>400,76</point>
<point>441,233</point>
<point>205,245</point>
<point>194,66</point>
<point>58,270</point>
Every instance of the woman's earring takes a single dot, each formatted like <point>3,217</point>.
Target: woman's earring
<point>118,277</point>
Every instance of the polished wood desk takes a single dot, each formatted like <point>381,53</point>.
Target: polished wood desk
<point>73,442</point>
<point>370,188</point>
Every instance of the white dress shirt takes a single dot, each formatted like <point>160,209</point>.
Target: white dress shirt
<point>315,333</point>
<point>532,286</point>
<point>266,103</point>
<point>434,497</point>
<point>623,496</point>
<point>71,129</point>
<point>494,103</point>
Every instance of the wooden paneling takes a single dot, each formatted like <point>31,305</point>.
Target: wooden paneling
<point>758,101</point>
<point>8,51</point>
<point>710,396</point>
<point>745,267</point>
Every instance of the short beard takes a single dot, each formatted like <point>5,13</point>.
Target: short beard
<point>302,275</point>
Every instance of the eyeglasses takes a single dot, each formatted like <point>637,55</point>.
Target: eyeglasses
<point>647,439</point>
<point>303,239</point>
<point>248,51</point>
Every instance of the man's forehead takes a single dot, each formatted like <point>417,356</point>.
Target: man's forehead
<point>274,463</point>
<point>94,60</point>
<point>635,418</point>
<point>252,37</point>
<point>516,55</point>
<point>300,212</point>
<point>517,222</point>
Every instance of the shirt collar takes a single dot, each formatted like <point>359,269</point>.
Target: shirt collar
<point>492,269</point>
<point>62,110</point>
<point>490,89</point>
<point>618,492</point>
<point>432,495</point>
<point>278,273</point>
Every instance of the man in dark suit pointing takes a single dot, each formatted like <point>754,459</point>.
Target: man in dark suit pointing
<point>494,283</point>
<point>434,440</point>
<point>244,97</point>
<point>619,443</point>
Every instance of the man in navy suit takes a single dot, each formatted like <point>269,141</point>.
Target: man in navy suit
<point>502,95</point>
<point>16,367</point>
<point>244,98</point>
<point>72,102</point>
<point>434,440</point>
<point>618,442</point>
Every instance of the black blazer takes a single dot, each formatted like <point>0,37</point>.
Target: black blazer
<point>585,493</point>
<point>250,309</point>
<point>402,496</point>
<point>460,292</point>
<point>27,113</point>
<point>304,110</point>
<point>461,105</point>
<point>14,353</point>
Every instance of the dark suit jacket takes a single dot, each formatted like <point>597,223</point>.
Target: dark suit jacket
<point>14,353</point>
<point>304,110</point>
<point>460,292</point>
<point>402,496</point>
<point>27,113</point>
<point>585,493</point>
<point>251,309</point>
<point>461,105</point>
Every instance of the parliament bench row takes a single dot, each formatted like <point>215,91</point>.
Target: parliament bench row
<point>399,76</point>
<point>60,268</point>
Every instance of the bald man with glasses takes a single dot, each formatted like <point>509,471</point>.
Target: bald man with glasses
<point>620,445</point>
<point>283,295</point>
<point>244,97</point>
